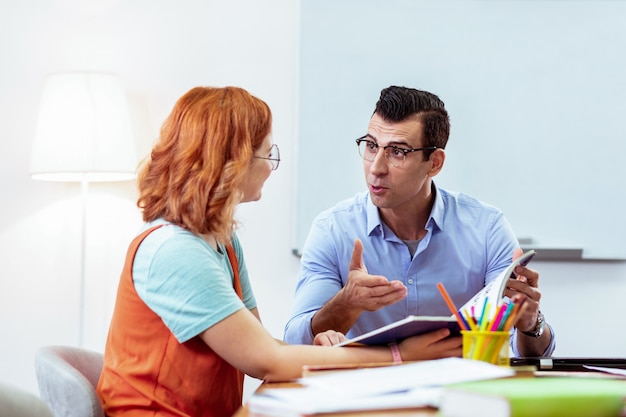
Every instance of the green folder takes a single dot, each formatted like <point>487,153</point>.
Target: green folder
<point>535,397</point>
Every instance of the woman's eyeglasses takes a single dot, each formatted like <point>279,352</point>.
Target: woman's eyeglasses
<point>274,157</point>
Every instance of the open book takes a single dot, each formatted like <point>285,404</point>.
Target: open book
<point>492,294</point>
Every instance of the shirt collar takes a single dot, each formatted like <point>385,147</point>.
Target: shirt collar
<point>436,218</point>
<point>373,216</point>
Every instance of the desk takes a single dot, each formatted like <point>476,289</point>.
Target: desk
<point>421,411</point>
<point>417,412</point>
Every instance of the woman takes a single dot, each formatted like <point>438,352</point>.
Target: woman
<point>185,327</point>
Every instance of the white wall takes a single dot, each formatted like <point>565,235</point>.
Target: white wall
<point>521,80</point>
<point>161,49</point>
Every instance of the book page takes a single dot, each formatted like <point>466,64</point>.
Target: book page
<point>493,292</point>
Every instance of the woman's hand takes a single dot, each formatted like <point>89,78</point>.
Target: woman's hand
<point>434,345</point>
<point>329,338</point>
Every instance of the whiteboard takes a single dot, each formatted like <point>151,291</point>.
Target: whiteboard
<point>536,93</point>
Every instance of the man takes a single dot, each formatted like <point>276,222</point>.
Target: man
<point>377,257</point>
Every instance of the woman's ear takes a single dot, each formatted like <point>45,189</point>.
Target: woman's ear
<point>437,158</point>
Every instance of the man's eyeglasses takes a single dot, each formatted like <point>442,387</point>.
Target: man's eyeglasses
<point>394,154</point>
<point>274,157</point>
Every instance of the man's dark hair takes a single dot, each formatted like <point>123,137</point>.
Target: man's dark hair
<point>397,104</point>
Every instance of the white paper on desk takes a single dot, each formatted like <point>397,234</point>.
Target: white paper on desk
<point>410,385</point>
<point>288,402</point>
<point>366,382</point>
<point>615,371</point>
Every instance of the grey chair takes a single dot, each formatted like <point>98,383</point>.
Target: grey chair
<point>16,402</point>
<point>67,377</point>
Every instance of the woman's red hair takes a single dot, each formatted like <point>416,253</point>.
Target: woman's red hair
<point>193,175</point>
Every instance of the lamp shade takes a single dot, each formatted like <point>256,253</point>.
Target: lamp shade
<point>83,130</point>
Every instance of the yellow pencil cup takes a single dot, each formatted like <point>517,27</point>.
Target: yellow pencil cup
<point>483,345</point>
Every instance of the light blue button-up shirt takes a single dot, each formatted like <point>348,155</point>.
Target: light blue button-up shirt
<point>467,244</point>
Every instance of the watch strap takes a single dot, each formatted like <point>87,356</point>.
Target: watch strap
<point>539,326</point>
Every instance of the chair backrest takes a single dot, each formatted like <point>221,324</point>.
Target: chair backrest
<point>67,377</point>
<point>15,402</point>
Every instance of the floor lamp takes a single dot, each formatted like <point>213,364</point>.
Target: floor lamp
<point>83,134</point>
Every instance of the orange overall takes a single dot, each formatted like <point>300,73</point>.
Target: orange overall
<point>147,372</point>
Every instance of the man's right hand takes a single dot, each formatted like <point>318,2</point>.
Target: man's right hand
<point>367,292</point>
<point>362,292</point>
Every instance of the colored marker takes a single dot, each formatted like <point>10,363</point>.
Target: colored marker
<point>452,307</point>
<point>496,321</point>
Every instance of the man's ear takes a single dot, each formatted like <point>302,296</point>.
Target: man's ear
<point>437,158</point>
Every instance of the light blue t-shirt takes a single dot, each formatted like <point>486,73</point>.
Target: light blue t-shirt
<point>467,244</point>
<point>186,282</point>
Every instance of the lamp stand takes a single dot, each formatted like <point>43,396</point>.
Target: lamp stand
<point>83,134</point>
<point>84,188</point>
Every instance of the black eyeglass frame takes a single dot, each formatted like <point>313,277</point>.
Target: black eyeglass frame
<point>394,147</point>
<point>276,160</point>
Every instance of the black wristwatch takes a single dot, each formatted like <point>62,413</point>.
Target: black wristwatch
<point>538,330</point>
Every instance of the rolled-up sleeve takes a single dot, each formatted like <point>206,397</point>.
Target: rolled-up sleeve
<point>549,350</point>
<point>319,280</point>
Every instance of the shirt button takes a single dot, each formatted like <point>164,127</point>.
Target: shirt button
<point>410,281</point>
